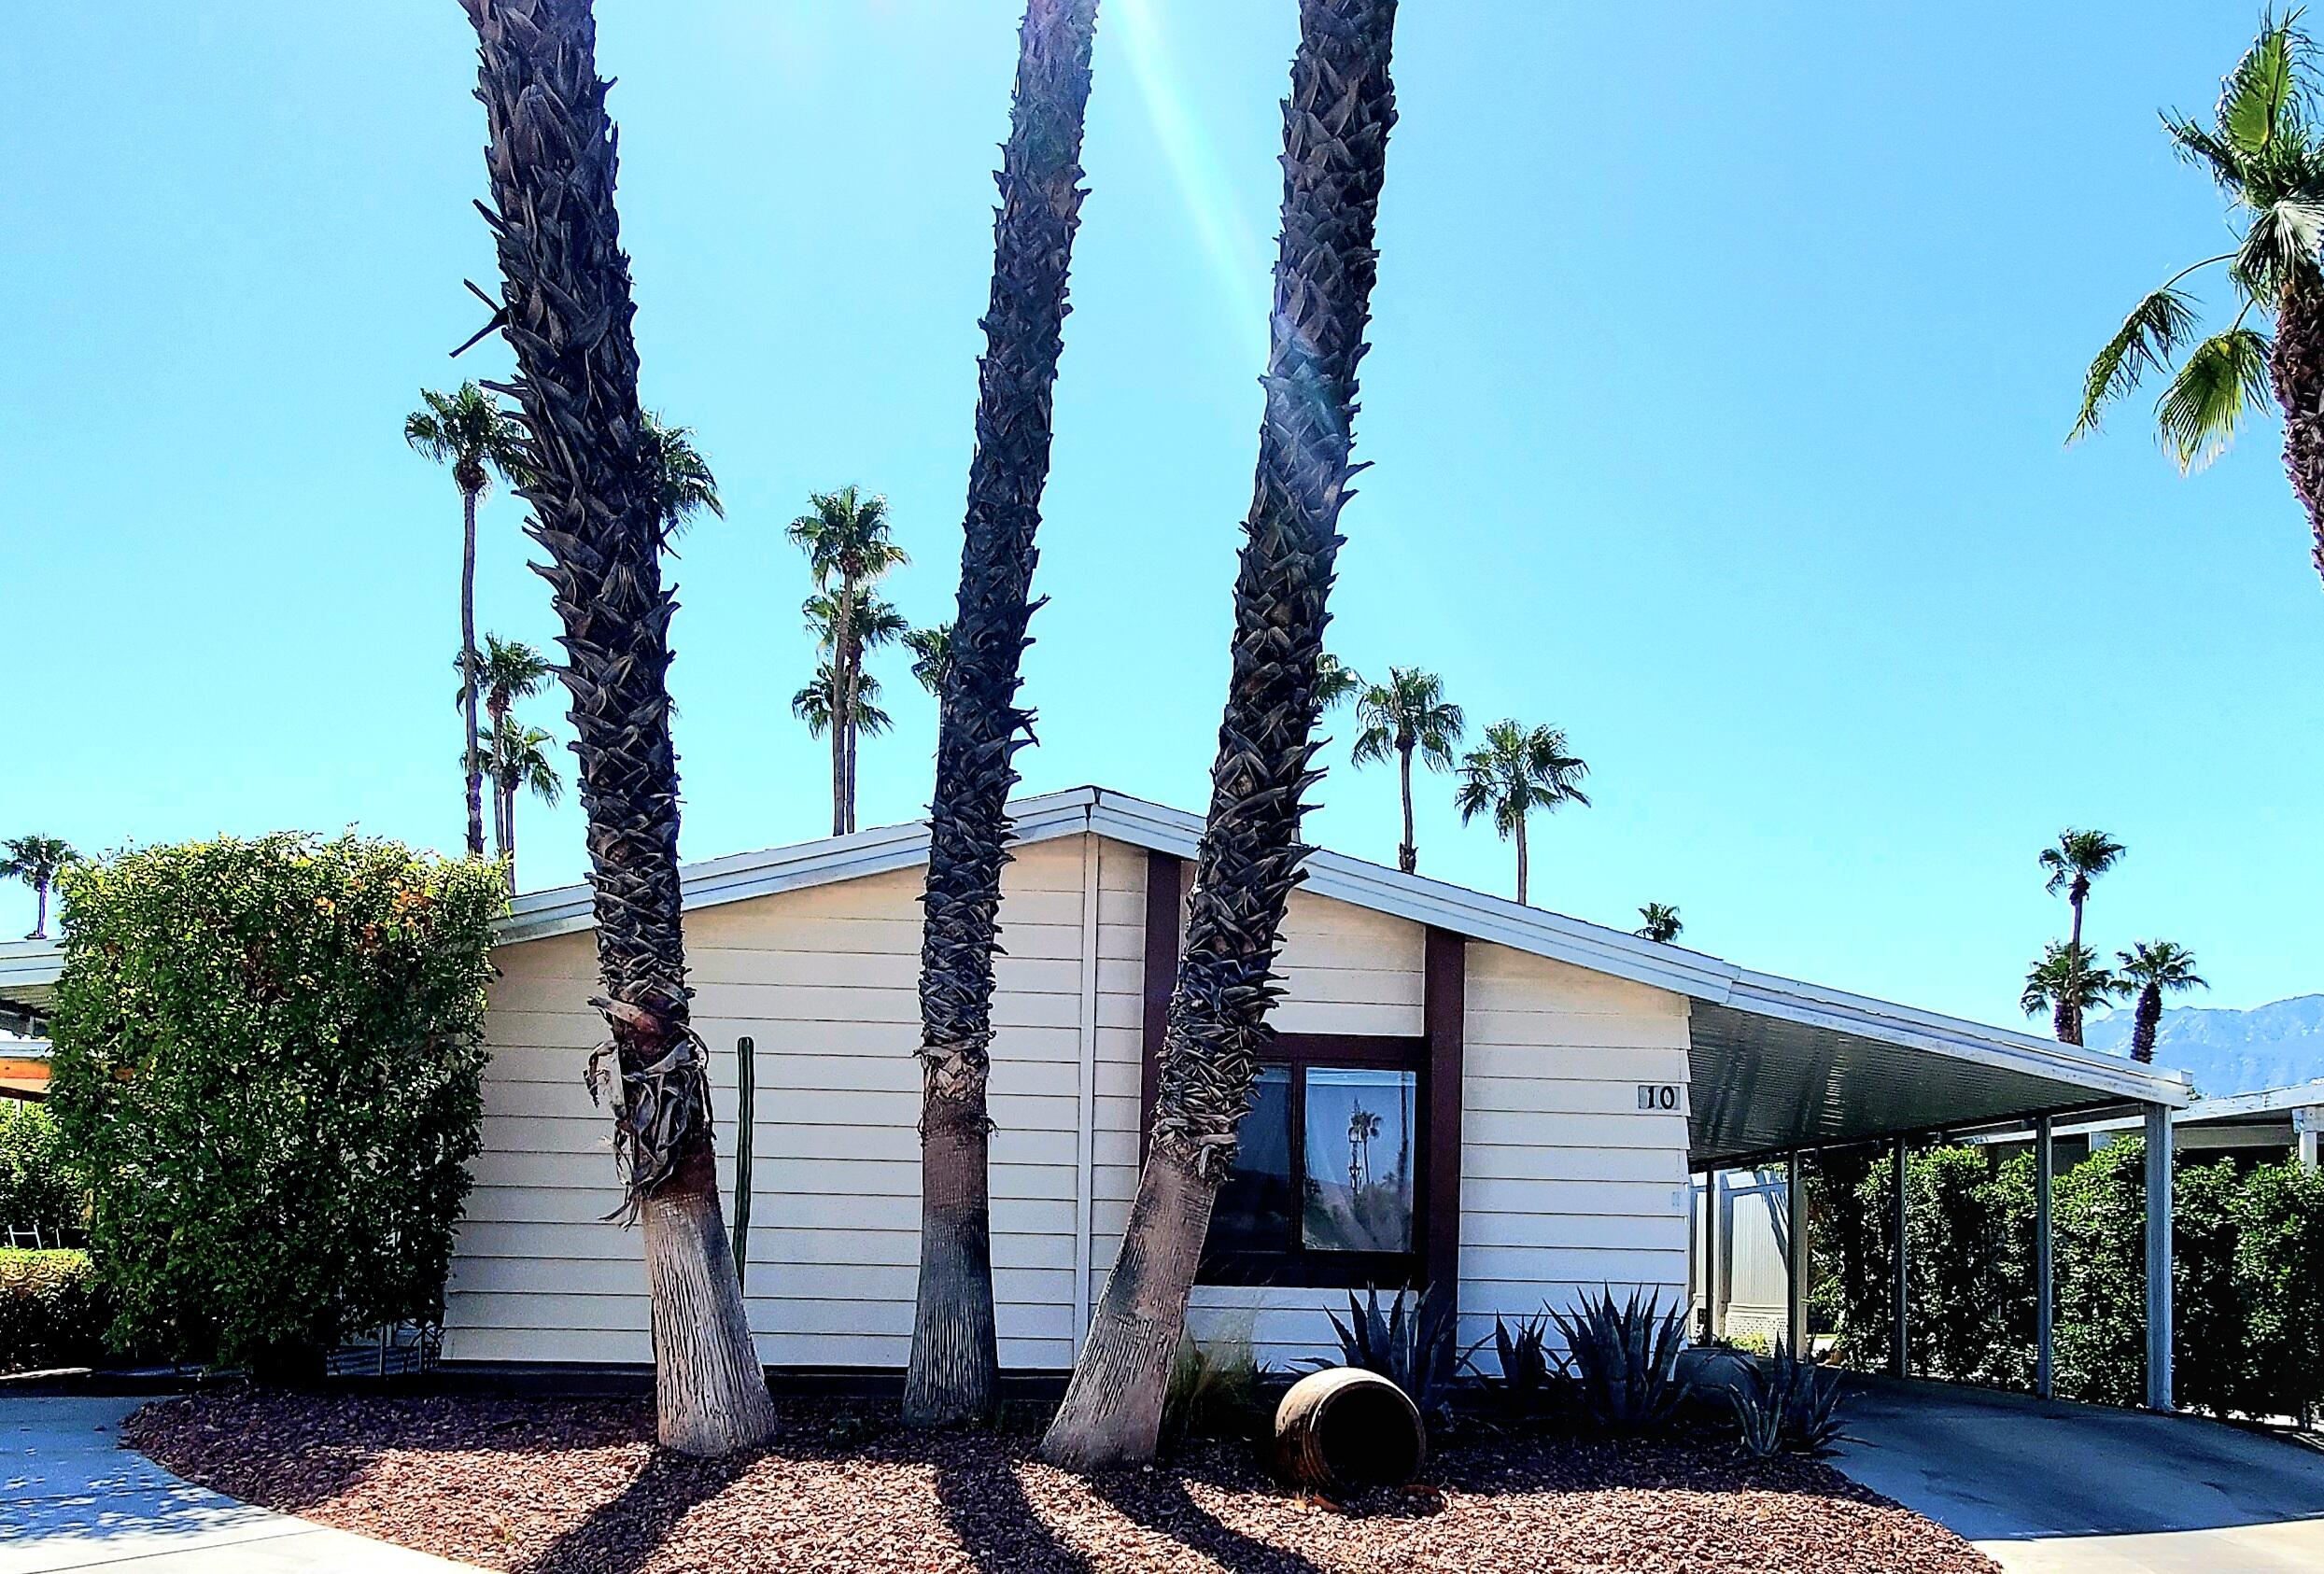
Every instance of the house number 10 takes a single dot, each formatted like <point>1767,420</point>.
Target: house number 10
<point>1659,1096</point>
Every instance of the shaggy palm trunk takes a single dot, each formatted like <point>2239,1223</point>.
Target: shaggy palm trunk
<point>40,910</point>
<point>474,762</point>
<point>1522,870</point>
<point>2296,365</point>
<point>567,309</point>
<point>2066,1017</point>
<point>1336,128</point>
<point>956,1363</point>
<point>2145,1023</point>
<point>843,711</point>
<point>1407,852</point>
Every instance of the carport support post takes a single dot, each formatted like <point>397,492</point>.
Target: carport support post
<point>1796,1264</point>
<point>2045,1288</point>
<point>2158,1257</point>
<point>1714,1315</point>
<point>1897,1362</point>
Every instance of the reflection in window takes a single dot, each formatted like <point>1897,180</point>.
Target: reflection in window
<point>1254,1207</point>
<point>1358,1153</point>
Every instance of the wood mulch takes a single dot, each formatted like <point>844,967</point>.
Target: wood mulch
<point>576,1487</point>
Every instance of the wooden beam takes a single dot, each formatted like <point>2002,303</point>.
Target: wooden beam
<point>1444,1018</point>
<point>1165,888</point>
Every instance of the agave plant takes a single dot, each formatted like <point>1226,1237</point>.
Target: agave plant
<point>1416,1349</point>
<point>1625,1358</point>
<point>1530,1369</point>
<point>1788,1406</point>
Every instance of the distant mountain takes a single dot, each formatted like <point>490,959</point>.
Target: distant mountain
<point>2230,1051</point>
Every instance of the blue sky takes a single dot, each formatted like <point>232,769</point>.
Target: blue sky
<point>1723,357</point>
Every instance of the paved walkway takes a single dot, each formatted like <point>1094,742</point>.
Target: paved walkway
<point>72,1497</point>
<point>2053,1488</point>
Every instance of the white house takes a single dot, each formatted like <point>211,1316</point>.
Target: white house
<point>1542,1088</point>
<point>1467,1090</point>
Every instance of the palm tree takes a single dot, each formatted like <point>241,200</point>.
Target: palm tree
<point>2149,970</point>
<point>1661,922</point>
<point>2264,149</point>
<point>36,860</point>
<point>2066,983</point>
<point>1336,128</point>
<point>682,477</point>
<point>845,537</point>
<point>1516,770</point>
<point>932,655</point>
<point>469,430</point>
<point>973,667</point>
<point>870,625</point>
<point>2079,858</point>
<point>1336,683</point>
<point>519,762</point>
<point>1407,714</point>
<point>600,510</point>
<point>819,700</point>
<point>509,670</point>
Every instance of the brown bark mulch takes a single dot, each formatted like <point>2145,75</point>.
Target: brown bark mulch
<point>576,1487</point>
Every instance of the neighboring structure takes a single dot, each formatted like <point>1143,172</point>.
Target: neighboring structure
<point>1466,1090</point>
<point>23,1068</point>
<point>2267,1125</point>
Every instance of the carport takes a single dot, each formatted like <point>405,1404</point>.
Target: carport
<point>1781,1071</point>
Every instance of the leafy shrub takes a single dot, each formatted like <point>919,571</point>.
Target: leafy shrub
<point>1787,1406</point>
<point>36,1192</point>
<point>1417,1350</point>
<point>51,1311</point>
<point>1625,1356</point>
<point>268,1063</point>
<point>2247,1286</point>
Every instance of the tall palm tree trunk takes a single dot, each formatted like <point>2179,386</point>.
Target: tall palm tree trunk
<point>956,1363</point>
<point>1336,128</point>
<point>1521,859</point>
<point>842,709</point>
<point>1407,852</point>
<point>40,910</point>
<point>474,762</point>
<point>2296,366</point>
<point>2065,1018</point>
<point>567,311</point>
<point>2145,1023</point>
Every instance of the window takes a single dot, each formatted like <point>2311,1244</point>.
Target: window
<point>1327,1185</point>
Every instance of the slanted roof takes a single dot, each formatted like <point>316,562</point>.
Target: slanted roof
<point>1776,1063</point>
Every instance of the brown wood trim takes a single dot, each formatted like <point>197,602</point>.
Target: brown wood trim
<point>1444,1012</point>
<point>1165,890</point>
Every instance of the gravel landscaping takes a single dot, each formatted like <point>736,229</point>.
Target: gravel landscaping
<point>576,1487</point>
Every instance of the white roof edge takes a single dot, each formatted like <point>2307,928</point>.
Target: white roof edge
<point>567,910</point>
<point>30,962</point>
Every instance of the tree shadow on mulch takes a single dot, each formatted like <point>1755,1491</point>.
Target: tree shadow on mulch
<point>622,1533</point>
<point>1160,1501</point>
<point>986,1506</point>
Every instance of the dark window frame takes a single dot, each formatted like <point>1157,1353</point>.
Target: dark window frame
<point>1294,1263</point>
<point>1436,1056</point>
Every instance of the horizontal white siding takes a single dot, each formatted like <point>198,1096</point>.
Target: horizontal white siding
<point>825,981</point>
<point>1565,1185</point>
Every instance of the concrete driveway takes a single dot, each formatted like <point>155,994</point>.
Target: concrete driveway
<point>72,1497</point>
<point>2052,1487</point>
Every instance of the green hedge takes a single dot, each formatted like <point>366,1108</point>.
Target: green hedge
<point>2247,1287</point>
<point>51,1311</point>
<point>36,1192</point>
<point>268,1063</point>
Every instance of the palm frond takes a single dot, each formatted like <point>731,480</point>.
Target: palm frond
<point>2198,145</point>
<point>2282,244</point>
<point>2260,101</point>
<point>2223,377</point>
<point>2146,342</point>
